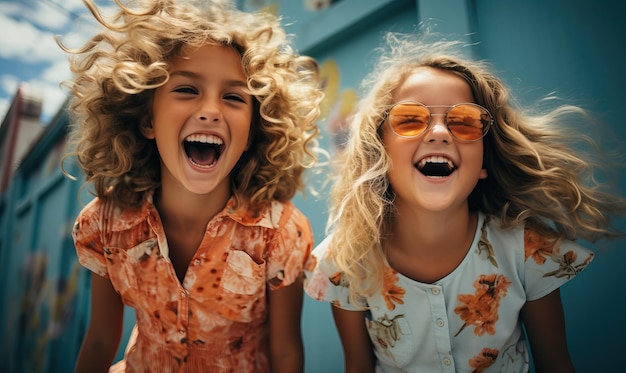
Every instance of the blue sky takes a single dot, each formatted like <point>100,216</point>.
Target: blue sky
<point>29,54</point>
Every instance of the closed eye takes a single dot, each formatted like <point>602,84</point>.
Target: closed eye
<point>234,97</point>
<point>186,89</point>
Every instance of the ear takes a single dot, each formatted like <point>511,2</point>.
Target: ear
<point>147,129</point>
<point>483,174</point>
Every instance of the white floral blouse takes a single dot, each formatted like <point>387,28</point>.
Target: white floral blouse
<point>469,320</point>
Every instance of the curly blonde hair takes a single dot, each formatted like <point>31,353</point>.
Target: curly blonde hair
<point>535,175</point>
<point>118,69</point>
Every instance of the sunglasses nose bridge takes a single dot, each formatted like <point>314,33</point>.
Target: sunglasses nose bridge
<point>438,121</point>
<point>437,128</point>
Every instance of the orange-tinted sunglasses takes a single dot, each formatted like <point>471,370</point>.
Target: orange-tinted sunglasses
<point>466,122</point>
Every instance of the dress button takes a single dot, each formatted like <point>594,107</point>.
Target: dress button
<point>447,361</point>
<point>440,322</point>
<point>436,291</point>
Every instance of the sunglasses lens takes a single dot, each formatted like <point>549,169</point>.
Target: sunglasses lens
<point>468,122</point>
<point>409,119</point>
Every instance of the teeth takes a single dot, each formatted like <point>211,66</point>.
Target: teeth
<point>435,159</point>
<point>207,139</point>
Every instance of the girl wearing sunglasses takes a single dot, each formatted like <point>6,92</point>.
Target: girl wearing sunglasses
<point>453,222</point>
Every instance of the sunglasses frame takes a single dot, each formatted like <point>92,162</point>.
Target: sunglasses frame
<point>445,116</point>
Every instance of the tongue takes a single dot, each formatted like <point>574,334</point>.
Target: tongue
<point>202,154</point>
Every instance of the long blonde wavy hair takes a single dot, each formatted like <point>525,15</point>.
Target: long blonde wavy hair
<point>535,175</point>
<point>118,69</point>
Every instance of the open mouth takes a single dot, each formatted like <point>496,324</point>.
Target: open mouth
<point>203,150</point>
<point>436,166</point>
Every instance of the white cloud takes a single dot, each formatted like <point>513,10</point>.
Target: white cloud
<point>27,41</point>
<point>48,15</point>
<point>47,86</point>
<point>57,72</point>
<point>53,99</point>
<point>9,83</point>
<point>31,44</point>
<point>54,95</point>
<point>9,8</point>
<point>17,38</point>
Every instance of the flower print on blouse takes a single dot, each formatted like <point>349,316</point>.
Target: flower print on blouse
<point>469,320</point>
<point>480,310</point>
<point>217,317</point>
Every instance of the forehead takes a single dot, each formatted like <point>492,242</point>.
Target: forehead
<point>207,53</point>
<point>432,86</point>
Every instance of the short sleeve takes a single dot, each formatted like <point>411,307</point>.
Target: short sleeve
<point>323,281</point>
<point>87,238</point>
<point>289,249</point>
<point>548,266</point>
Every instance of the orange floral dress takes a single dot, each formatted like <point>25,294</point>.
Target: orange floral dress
<point>469,320</point>
<point>216,320</point>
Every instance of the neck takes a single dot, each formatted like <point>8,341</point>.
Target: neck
<point>433,232</point>
<point>426,247</point>
<point>184,209</point>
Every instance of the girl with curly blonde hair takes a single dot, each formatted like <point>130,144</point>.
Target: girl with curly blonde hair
<point>453,220</point>
<point>194,123</point>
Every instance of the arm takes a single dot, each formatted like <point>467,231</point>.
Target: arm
<point>545,327</point>
<point>285,309</point>
<point>357,348</point>
<point>105,328</point>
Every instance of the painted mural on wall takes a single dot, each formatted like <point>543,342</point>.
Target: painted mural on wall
<point>338,103</point>
<point>317,5</point>
<point>46,310</point>
<point>337,106</point>
<point>310,5</point>
<point>33,311</point>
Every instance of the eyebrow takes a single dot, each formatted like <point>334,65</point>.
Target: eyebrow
<point>193,75</point>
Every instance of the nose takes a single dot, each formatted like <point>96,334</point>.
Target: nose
<point>209,111</point>
<point>438,130</point>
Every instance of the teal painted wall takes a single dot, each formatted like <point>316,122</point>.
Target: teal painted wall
<point>571,47</point>
<point>574,49</point>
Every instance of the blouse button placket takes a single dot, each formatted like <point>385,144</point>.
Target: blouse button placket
<point>442,334</point>
<point>183,313</point>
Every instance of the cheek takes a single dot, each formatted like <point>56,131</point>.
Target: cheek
<point>400,152</point>
<point>474,156</point>
<point>400,166</point>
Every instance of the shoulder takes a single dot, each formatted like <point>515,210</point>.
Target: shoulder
<point>538,243</point>
<point>101,220</point>
<point>321,261</point>
<point>289,244</point>
<point>291,226</point>
<point>277,215</point>
<point>286,213</point>
<point>322,249</point>
<point>325,282</point>
<point>497,243</point>
<point>106,213</point>
<point>548,260</point>
<point>546,248</point>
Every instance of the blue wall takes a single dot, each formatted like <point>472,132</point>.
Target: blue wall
<point>570,47</point>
